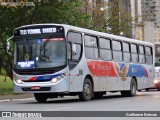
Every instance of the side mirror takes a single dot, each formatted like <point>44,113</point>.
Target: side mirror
<point>8,46</point>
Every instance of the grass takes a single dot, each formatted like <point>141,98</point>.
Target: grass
<point>6,87</point>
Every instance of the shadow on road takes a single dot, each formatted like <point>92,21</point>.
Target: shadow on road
<point>75,99</point>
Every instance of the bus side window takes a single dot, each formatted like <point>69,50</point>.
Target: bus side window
<point>74,49</point>
<point>141,54</point>
<point>149,55</point>
<point>105,49</point>
<point>117,50</point>
<point>91,47</point>
<point>134,53</point>
<point>126,52</point>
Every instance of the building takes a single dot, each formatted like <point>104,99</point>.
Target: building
<point>136,13</point>
<point>152,13</point>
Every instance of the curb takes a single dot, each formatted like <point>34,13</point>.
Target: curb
<point>7,98</point>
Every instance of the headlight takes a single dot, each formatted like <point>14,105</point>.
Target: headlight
<point>156,81</point>
<point>19,81</point>
<point>54,80</point>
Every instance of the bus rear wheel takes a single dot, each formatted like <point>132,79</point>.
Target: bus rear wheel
<point>41,97</point>
<point>87,92</point>
<point>132,91</point>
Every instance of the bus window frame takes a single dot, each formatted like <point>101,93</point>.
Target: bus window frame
<point>120,41</point>
<point>91,46</point>
<point>110,44</point>
<point>127,51</point>
<point>71,47</point>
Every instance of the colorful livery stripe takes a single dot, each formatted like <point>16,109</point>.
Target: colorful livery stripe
<point>111,69</point>
<point>45,77</point>
<point>101,68</point>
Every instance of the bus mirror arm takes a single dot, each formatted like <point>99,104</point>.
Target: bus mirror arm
<point>8,46</point>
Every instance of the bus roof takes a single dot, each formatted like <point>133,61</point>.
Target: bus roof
<point>83,30</point>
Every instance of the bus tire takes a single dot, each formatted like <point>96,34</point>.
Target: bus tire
<point>41,97</point>
<point>87,92</point>
<point>132,91</point>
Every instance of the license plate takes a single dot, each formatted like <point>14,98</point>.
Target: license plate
<point>35,87</point>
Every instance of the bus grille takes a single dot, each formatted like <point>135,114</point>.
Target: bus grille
<point>46,80</point>
<point>38,71</point>
<point>34,72</point>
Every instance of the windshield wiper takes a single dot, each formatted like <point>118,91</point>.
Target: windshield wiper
<point>30,48</point>
<point>43,47</point>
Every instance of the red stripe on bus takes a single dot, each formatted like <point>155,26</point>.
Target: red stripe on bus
<point>146,72</point>
<point>33,78</point>
<point>98,68</point>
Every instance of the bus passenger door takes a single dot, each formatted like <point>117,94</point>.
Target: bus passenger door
<point>75,67</point>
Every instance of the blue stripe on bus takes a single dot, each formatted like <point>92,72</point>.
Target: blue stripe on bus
<point>136,70</point>
<point>47,77</point>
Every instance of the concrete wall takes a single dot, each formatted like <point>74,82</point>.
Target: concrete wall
<point>148,31</point>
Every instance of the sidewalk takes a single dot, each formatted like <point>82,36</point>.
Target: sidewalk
<point>16,96</point>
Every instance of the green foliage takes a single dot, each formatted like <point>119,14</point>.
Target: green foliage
<point>6,88</point>
<point>61,12</point>
<point>44,11</point>
<point>72,12</point>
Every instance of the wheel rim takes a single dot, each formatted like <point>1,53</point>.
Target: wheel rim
<point>87,90</point>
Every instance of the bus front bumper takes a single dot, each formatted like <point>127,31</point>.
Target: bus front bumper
<point>41,87</point>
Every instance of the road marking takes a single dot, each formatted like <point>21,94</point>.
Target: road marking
<point>58,109</point>
<point>156,96</point>
<point>23,99</point>
<point>121,101</point>
<point>6,100</point>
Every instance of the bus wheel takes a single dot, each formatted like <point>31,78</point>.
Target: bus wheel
<point>41,97</point>
<point>87,92</point>
<point>132,91</point>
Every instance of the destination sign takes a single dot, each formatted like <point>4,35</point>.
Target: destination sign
<point>37,31</point>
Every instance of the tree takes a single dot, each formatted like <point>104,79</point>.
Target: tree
<point>81,13</point>
<point>10,18</point>
<point>44,11</point>
<point>110,17</point>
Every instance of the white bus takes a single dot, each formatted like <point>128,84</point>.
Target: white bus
<point>52,60</point>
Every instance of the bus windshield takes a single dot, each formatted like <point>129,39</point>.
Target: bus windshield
<point>39,53</point>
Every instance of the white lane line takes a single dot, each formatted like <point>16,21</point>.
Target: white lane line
<point>121,101</point>
<point>23,99</point>
<point>156,96</point>
<point>58,109</point>
<point>6,100</point>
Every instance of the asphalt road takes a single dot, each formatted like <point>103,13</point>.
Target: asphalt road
<point>143,101</point>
